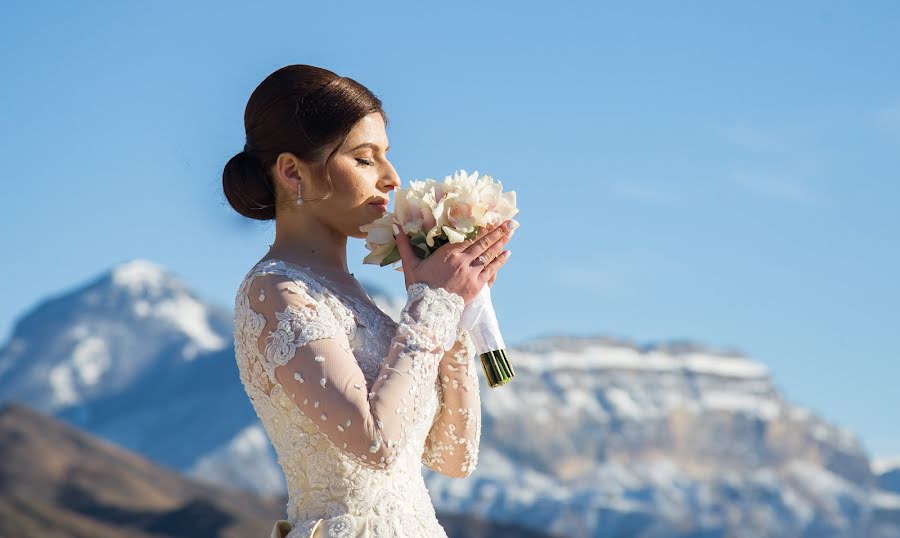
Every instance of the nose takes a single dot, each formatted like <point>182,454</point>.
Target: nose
<point>390,180</point>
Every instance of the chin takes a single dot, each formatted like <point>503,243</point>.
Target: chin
<point>359,234</point>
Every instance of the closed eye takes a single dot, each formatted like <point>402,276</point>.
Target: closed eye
<point>365,162</point>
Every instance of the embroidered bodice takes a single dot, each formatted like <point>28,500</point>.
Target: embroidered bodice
<point>355,402</point>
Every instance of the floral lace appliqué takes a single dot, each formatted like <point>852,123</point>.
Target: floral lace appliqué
<point>326,484</point>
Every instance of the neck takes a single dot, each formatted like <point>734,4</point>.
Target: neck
<point>305,240</point>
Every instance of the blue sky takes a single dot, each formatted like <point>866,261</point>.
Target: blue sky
<point>722,172</point>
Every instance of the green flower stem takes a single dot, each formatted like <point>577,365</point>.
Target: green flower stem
<point>497,368</point>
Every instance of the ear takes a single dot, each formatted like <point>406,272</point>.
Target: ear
<point>288,170</point>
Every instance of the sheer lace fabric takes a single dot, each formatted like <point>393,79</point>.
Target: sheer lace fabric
<point>354,402</point>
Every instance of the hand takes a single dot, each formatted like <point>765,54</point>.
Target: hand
<point>490,282</point>
<point>481,233</point>
<point>455,266</point>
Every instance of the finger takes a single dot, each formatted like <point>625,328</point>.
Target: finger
<point>494,250</point>
<point>484,230</point>
<point>405,248</point>
<point>485,241</point>
<point>491,281</point>
<point>490,270</point>
<point>469,241</point>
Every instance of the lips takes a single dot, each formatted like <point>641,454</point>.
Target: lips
<point>380,203</point>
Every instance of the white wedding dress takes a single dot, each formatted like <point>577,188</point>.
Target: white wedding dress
<point>354,402</point>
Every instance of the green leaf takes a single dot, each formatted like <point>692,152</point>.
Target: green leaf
<point>392,256</point>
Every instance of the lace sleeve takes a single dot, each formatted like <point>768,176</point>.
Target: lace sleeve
<point>308,351</point>
<point>451,447</point>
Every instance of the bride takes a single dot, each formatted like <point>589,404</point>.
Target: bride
<point>353,402</point>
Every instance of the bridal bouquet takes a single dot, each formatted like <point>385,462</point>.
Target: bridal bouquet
<point>432,213</point>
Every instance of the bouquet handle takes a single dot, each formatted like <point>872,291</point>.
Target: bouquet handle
<point>479,319</point>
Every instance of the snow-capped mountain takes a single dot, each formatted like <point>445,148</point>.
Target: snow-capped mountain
<point>594,436</point>
<point>99,339</point>
<point>136,358</point>
<point>887,473</point>
<point>597,437</point>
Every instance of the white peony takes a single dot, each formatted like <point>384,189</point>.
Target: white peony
<point>380,239</point>
<point>432,213</point>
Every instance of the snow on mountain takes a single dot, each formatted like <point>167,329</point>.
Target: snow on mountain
<point>136,358</point>
<point>602,437</point>
<point>246,462</point>
<point>887,473</point>
<point>886,465</point>
<point>97,339</point>
<point>594,436</point>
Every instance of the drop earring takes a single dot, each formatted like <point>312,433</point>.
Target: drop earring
<point>299,199</point>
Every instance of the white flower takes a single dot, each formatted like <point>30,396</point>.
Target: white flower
<point>464,210</point>
<point>414,207</point>
<point>430,211</point>
<point>380,239</point>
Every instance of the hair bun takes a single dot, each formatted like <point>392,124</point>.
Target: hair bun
<point>247,187</point>
<point>299,109</point>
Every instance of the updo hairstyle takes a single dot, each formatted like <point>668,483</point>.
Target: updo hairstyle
<point>300,109</point>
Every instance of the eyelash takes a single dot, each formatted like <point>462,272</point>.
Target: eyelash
<point>366,162</point>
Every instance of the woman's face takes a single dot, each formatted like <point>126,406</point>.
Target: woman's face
<point>360,173</point>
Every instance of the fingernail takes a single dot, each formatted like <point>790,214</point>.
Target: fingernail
<point>512,225</point>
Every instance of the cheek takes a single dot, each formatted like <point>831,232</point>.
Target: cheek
<point>350,184</point>
<point>348,207</point>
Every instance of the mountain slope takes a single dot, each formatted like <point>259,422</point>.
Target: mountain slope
<point>98,339</point>
<point>594,437</point>
<point>601,437</point>
<point>57,480</point>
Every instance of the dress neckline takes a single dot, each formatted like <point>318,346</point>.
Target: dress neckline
<point>331,284</point>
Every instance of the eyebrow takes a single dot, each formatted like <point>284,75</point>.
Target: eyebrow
<point>371,145</point>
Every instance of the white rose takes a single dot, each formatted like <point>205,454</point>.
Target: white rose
<point>428,210</point>
<point>464,210</point>
<point>379,239</point>
<point>414,208</point>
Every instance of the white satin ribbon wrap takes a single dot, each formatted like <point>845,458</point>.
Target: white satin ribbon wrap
<point>479,319</point>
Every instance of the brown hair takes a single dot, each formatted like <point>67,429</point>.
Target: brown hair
<point>299,109</point>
